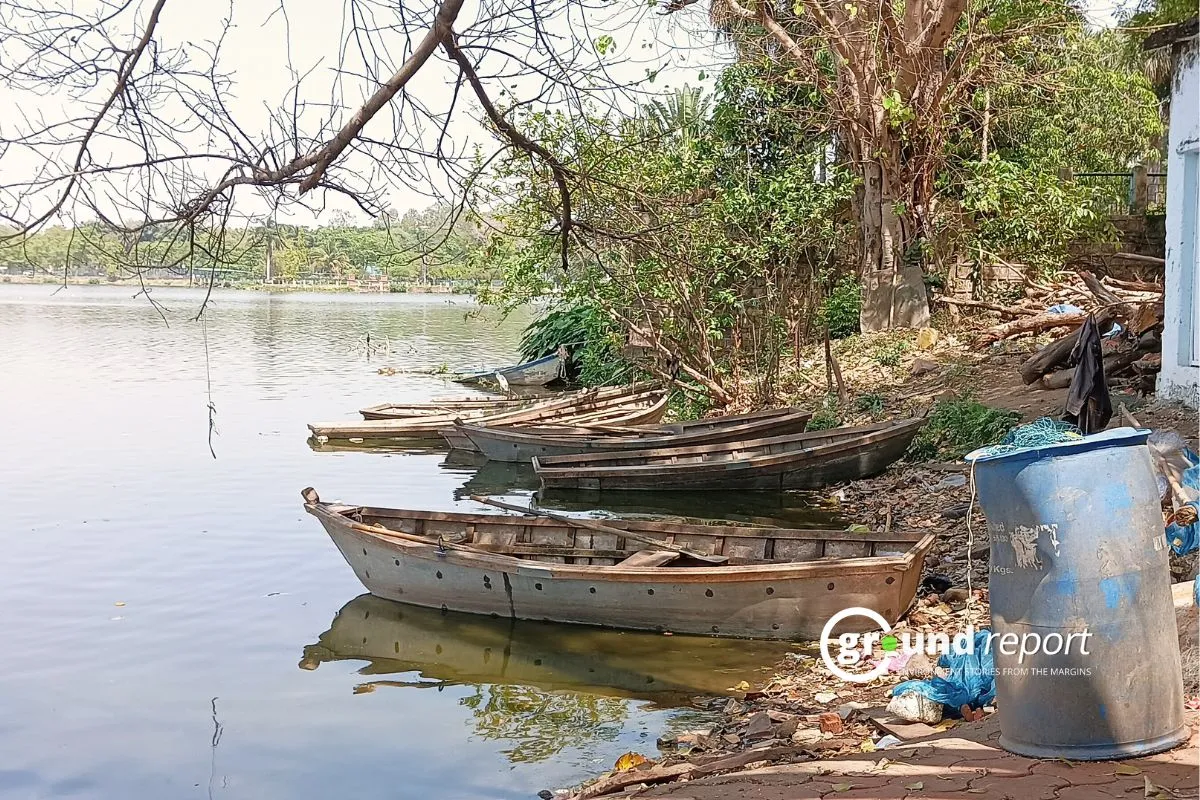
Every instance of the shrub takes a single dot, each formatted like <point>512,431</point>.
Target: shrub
<point>870,403</point>
<point>956,427</point>
<point>829,415</point>
<point>594,342</point>
<point>839,310</point>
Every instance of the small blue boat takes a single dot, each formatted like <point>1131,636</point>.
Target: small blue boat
<point>531,373</point>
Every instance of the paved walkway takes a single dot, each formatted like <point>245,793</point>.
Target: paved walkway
<point>963,763</point>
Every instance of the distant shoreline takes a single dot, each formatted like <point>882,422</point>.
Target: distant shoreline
<point>184,283</point>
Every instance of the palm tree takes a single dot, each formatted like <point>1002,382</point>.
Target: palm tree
<point>679,115</point>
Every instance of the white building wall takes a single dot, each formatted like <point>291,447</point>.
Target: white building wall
<point>1180,376</point>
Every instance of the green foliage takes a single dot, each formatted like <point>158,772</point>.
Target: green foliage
<point>1062,98</point>
<point>841,308</point>
<point>956,427</point>
<point>1141,18</point>
<point>891,352</point>
<point>869,403</point>
<point>1027,215</point>
<point>691,403</point>
<point>698,229</point>
<point>829,415</point>
<point>594,343</point>
<point>714,224</point>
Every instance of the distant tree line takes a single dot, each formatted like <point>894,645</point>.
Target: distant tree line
<point>418,246</point>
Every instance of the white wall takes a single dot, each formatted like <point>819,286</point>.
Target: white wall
<point>1180,377</point>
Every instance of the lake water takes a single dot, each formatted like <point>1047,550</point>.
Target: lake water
<point>178,627</point>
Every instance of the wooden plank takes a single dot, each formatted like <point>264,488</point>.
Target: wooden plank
<point>901,729</point>
<point>554,550</point>
<point>650,558</point>
<point>583,523</point>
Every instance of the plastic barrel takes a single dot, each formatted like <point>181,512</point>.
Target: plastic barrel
<point>1079,558</point>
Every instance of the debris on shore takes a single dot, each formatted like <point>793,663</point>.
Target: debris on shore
<point>803,713</point>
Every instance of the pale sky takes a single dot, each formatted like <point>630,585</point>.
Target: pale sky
<point>262,50</point>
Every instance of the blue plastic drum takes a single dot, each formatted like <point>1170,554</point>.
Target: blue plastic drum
<point>1086,647</point>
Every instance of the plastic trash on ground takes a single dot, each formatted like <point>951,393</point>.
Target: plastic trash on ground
<point>971,680</point>
<point>1184,537</point>
<point>916,707</point>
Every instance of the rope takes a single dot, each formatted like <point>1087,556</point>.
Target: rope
<point>1039,433</point>
<point>971,537</point>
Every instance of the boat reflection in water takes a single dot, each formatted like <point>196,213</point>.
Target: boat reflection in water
<point>519,481</point>
<point>458,649</point>
<point>538,687</point>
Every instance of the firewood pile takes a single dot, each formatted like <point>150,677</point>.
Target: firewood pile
<point>1132,358</point>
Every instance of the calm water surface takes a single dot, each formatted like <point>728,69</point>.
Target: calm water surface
<point>147,584</point>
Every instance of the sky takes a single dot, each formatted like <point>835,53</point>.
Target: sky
<point>264,50</point>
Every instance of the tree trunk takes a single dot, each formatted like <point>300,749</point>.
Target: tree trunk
<point>893,292</point>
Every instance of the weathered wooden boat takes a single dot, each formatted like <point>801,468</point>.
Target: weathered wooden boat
<point>481,404</point>
<point>453,648</point>
<point>505,443</point>
<point>556,409</point>
<point>798,461</point>
<point>775,584</point>
<point>538,372</point>
<point>618,417</point>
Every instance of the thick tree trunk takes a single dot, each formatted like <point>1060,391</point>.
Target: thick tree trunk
<point>893,293</point>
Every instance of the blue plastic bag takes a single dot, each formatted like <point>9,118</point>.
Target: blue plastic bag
<point>971,682</point>
<point>1064,308</point>
<point>1184,539</point>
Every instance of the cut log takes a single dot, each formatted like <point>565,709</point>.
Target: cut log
<point>1058,351</point>
<point>1146,316</point>
<point>1160,262</point>
<point>1151,362</point>
<point>632,777</point>
<point>1007,311</point>
<point>1137,286</point>
<point>1105,296</point>
<point>1034,324</point>
<point>1114,363</point>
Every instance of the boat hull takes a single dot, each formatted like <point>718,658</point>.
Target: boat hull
<point>532,373</point>
<point>516,445</point>
<point>782,469</point>
<point>791,600</point>
<point>646,414</point>
<point>574,406</point>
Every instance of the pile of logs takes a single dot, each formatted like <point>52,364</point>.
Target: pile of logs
<point>1131,358</point>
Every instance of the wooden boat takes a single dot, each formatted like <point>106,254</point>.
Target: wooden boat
<point>453,649</point>
<point>503,443</point>
<point>619,417</point>
<point>538,372</point>
<point>441,406</point>
<point>777,583</point>
<point>798,461</point>
<point>426,427</point>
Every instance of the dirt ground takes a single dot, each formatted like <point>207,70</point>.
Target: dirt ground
<point>908,375</point>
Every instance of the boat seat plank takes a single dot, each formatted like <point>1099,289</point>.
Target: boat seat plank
<point>521,550</point>
<point>649,558</point>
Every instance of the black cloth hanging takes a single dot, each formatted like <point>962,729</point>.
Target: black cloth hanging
<point>1088,405</point>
